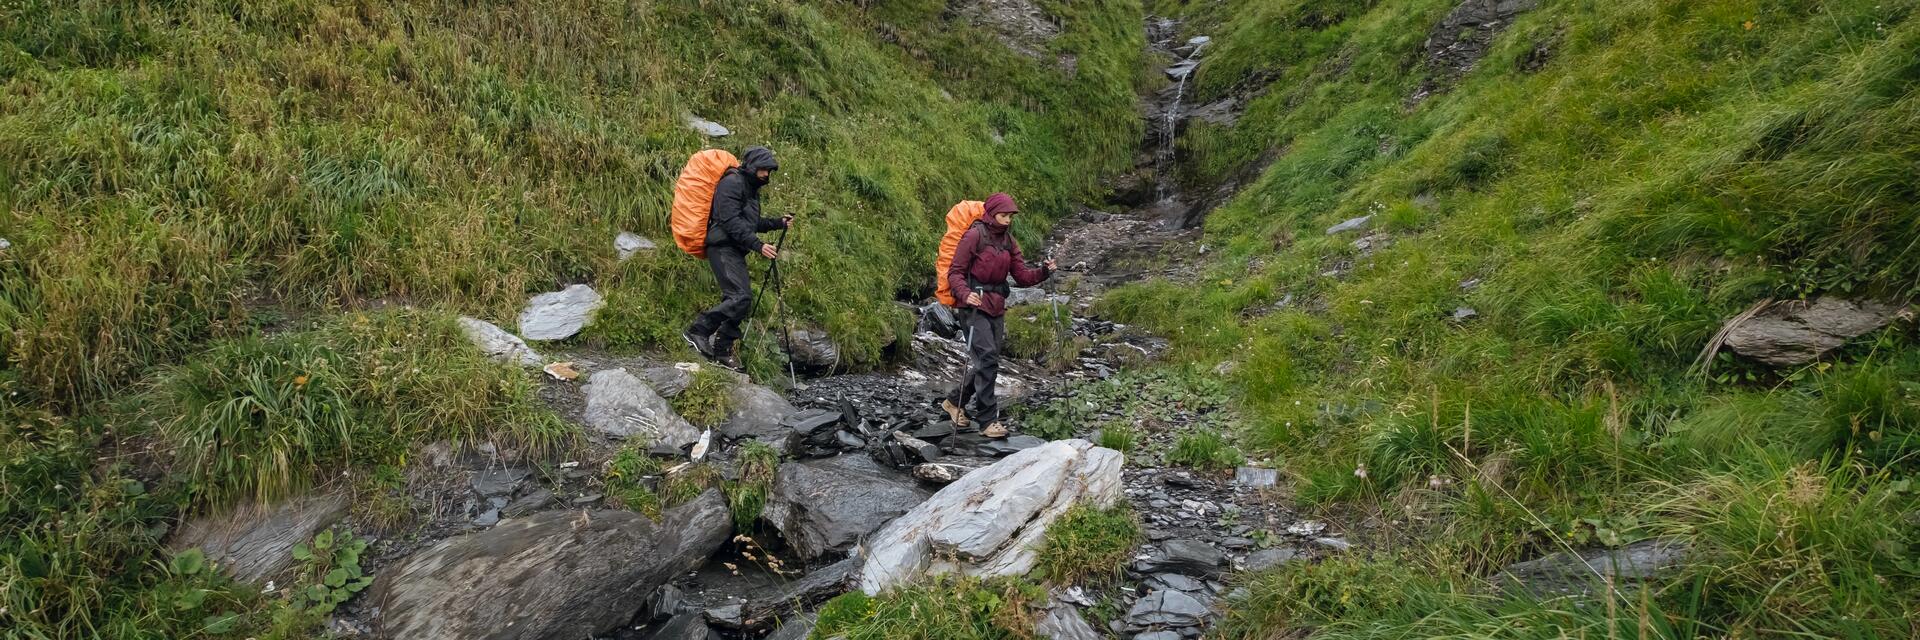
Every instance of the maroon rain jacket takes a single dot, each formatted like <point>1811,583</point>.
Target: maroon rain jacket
<point>984,259</point>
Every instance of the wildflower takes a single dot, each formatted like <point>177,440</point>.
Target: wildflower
<point>1360,471</point>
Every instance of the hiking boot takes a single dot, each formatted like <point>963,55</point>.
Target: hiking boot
<point>995,430</point>
<point>954,411</point>
<point>701,344</point>
<point>724,356</point>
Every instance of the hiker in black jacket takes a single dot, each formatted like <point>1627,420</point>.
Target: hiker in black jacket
<point>732,226</point>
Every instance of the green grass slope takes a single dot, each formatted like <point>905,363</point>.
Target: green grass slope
<point>201,197</point>
<point>1618,178</point>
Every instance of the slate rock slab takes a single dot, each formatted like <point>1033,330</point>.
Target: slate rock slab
<point>824,507</point>
<point>498,344</point>
<point>1794,333</point>
<point>254,543</point>
<point>560,314</point>
<point>622,406</point>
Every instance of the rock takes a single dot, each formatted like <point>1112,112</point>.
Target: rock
<point>498,344</point>
<point>1175,582</point>
<point>1335,544</point>
<point>621,406</point>
<point>669,381</point>
<point>757,413</point>
<point>934,430</point>
<point>1184,556</point>
<point>1566,572</point>
<point>922,449</point>
<point>1352,224</point>
<point>1256,477</point>
<point>940,473</point>
<point>1265,559</point>
<point>561,314</point>
<point>1198,41</point>
<point>1158,635</point>
<point>816,587</point>
<point>794,628</point>
<point>664,603</point>
<point>707,127</point>
<point>557,574</point>
<point>497,482</point>
<point>1021,296</point>
<point>686,626</point>
<point>254,543</point>
<point>811,422</point>
<point>1167,608</point>
<point>1063,622</point>
<point>726,617</point>
<point>826,506</point>
<point>488,519</point>
<point>990,522</point>
<point>939,319</point>
<point>5,245</point>
<point>811,350</point>
<point>629,243</point>
<point>1793,333</point>
<point>534,501</point>
<point>1182,69</point>
<point>1463,314</point>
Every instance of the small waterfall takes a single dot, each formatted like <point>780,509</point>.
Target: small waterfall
<point>1171,114</point>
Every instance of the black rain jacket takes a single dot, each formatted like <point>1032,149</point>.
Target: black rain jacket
<point>735,217</point>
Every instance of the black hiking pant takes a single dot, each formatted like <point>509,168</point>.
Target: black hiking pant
<point>984,335</point>
<point>736,299</point>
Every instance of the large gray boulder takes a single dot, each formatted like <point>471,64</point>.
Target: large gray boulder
<point>557,574</point>
<point>1567,572</point>
<point>827,506</point>
<point>812,349</point>
<point>254,543</point>
<point>498,344</point>
<point>757,412</point>
<point>622,406</point>
<point>1793,333</point>
<point>990,522</point>
<point>560,314</point>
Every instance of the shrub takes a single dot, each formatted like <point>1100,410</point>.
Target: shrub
<point>1205,450</point>
<point>1088,544</point>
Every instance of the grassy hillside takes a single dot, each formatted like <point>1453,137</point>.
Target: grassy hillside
<point>1605,188</point>
<point>195,192</point>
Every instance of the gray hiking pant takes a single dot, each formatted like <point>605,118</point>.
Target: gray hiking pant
<point>984,335</point>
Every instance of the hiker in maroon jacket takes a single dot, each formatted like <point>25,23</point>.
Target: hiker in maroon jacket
<point>986,256</point>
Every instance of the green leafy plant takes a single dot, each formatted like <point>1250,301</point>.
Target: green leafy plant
<point>1118,437</point>
<point>747,495</point>
<point>1206,450</point>
<point>329,571</point>
<point>629,477</point>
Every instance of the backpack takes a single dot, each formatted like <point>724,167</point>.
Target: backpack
<point>960,218</point>
<point>693,198</point>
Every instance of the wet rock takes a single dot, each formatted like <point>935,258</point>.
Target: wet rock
<point>534,501</point>
<point>254,543</point>
<point>816,587</point>
<point>669,381</point>
<point>707,127</point>
<point>824,507</point>
<point>921,449</point>
<point>726,617</point>
<point>794,628</point>
<point>503,583</point>
<point>1566,572</point>
<point>1167,609</point>
<point>1063,622</point>
<point>940,473</point>
<point>1351,224</point>
<point>488,519</point>
<point>757,413</point>
<point>812,350</point>
<point>1793,333</point>
<point>498,344</point>
<point>1175,582</point>
<point>628,243</point>
<point>1184,556</point>
<point>1182,69</point>
<point>1256,477</point>
<point>934,430</point>
<point>849,440</point>
<point>990,522</point>
<point>560,314</point>
<point>1158,635</point>
<point>622,406</point>
<point>1270,558</point>
<point>939,319</point>
<point>664,603</point>
<point>497,482</point>
<point>811,422</point>
<point>686,626</point>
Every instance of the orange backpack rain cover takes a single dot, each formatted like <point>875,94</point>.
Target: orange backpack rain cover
<point>959,218</point>
<point>693,198</point>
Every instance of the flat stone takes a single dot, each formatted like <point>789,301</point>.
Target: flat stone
<point>537,499</point>
<point>849,441</point>
<point>488,519</point>
<point>686,626</point>
<point>1184,556</point>
<point>934,430</point>
<point>939,473</point>
<point>726,617</point>
<point>1158,635</point>
<point>498,344</point>
<point>808,422</point>
<point>620,405</point>
<point>560,314</point>
<point>665,602</point>
<point>254,543</point>
<point>629,243</point>
<point>1256,477</point>
<point>1175,582</point>
<point>794,628</point>
<point>824,507</point>
<point>1022,443</point>
<point>1167,608</point>
<point>1351,224</point>
<point>506,583</point>
<point>497,482</point>
<point>669,381</point>
<point>1265,559</point>
<point>1064,622</point>
<point>757,413</point>
<point>707,127</point>
<point>1794,333</point>
<point>1335,544</point>
<point>921,449</point>
<point>1567,572</point>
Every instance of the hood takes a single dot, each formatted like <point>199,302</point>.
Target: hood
<point>756,158</point>
<point>997,204</point>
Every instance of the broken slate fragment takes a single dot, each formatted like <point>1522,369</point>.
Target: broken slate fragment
<point>1255,477</point>
<point>811,421</point>
<point>1185,556</point>
<point>1351,224</point>
<point>560,314</point>
<point>1167,608</point>
<point>497,343</point>
<point>629,243</point>
<point>707,127</point>
<point>497,482</point>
